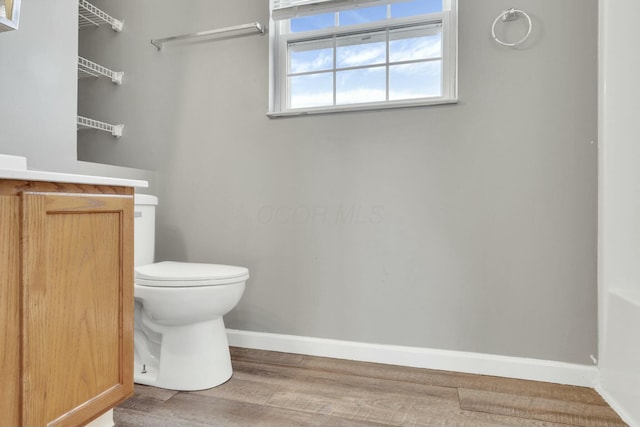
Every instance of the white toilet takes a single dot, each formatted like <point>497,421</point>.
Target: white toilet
<point>180,340</point>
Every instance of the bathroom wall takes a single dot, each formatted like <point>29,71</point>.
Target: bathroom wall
<point>619,226</point>
<point>467,227</point>
<point>38,91</point>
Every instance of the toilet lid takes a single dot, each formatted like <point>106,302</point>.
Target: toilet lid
<point>175,274</point>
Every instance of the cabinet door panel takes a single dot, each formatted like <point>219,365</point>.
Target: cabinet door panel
<point>9,310</point>
<point>77,306</point>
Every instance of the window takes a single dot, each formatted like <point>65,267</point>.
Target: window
<point>336,55</point>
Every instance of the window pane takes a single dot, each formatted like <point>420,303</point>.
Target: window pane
<point>361,49</point>
<point>415,7</point>
<point>310,56</point>
<point>313,22</point>
<point>311,90</point>
<point>419,80</point>
<point>407,44</point>
<point>362,85</point>
<point>362,16</point>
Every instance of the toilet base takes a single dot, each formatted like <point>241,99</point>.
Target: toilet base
<point>192,357</point>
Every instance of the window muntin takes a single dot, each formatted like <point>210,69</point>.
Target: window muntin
<point>392,65</point>
<point>371,59</point>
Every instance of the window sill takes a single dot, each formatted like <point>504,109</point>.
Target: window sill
<point>361,107</point>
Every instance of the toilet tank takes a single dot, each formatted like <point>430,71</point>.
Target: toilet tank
<point>144,228</point>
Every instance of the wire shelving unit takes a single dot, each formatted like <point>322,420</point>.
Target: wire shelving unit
<point>91,16</point>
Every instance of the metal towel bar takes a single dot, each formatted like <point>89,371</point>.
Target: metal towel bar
<point>252,26</point>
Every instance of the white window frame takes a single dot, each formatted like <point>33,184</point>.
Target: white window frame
<point>280,37</point>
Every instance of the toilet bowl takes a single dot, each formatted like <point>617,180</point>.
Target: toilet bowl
<point>179,338</point>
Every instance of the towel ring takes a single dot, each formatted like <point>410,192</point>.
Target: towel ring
<point>511,15</point>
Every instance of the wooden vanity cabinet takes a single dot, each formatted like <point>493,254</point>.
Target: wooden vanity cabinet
<point>66,302</point>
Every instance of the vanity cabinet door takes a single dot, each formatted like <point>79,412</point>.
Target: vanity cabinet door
<point>9,310</point>
<point>77,306</point>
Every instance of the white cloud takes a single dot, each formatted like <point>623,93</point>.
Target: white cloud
<point>316,60</point>
<point>417,48</point>
<point>351,56</point>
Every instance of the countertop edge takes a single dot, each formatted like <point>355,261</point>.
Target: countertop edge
<point>31,175</point>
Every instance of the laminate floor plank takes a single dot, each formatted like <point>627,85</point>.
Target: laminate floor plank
<point>369,399</point>
<point>242,390</point>
<point>132,418</point>
<point>456,379</point>
<point>160,394</point>
<point>386,410</point>
<point>572,413</point>
<point>146,398</point>
<point>345,396</point>
<point>299,377</point>
<point>410,413</point>
<point>263,356</point>
<point>463,418</point>
<point>426,376</point>
<point>271,389</point>
<point>215,412</point>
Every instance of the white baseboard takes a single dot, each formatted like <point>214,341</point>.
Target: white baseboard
<point>446,360</point>
<point>104,420</point>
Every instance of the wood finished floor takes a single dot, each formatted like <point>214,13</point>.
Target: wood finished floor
<point>281,389</point>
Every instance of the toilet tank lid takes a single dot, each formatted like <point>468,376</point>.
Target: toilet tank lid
<point>187,271</point>
<point>145,199</point>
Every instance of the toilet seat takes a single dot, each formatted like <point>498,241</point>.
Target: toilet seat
<point>187,274</point>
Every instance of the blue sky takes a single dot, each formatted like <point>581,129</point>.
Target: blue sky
<point>366,14</point>
<point>367,84</point>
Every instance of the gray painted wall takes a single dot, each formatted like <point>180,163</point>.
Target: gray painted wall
<point>466,227</point>
<point>38,91</point>
<point>38,85</point>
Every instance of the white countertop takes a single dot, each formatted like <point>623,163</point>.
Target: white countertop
<point>30,175</point>
<point>12,167</point>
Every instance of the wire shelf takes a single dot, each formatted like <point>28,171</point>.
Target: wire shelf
<point>88,68</point>
<point>87,123</point>
<point>91,16</point>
